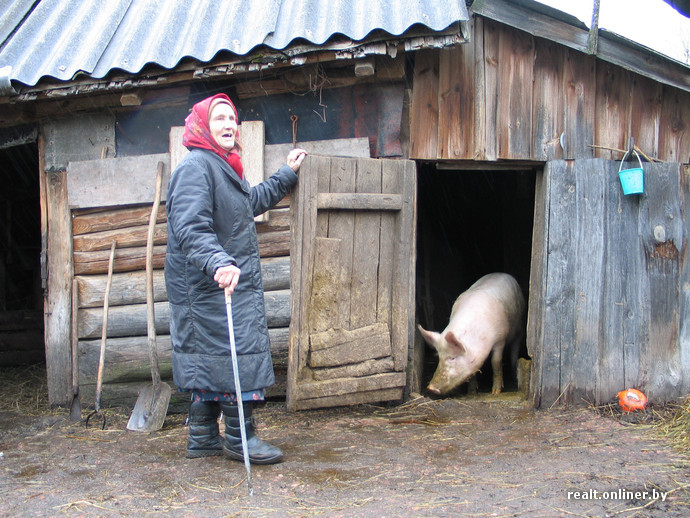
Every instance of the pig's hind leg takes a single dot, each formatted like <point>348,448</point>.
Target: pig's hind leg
<point>497,368</point>
<point>514,352</point>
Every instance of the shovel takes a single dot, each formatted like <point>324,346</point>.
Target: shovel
<point>75,407</point>
<point>151,406</point>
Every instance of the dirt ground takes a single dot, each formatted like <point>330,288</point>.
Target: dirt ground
<point>427,458</point>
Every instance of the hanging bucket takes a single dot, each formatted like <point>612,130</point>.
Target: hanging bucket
<point>632,180</point>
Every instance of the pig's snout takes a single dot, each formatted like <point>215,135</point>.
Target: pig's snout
<point>433,390</point>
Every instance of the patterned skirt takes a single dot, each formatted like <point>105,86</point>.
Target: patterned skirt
<point>227,397</point>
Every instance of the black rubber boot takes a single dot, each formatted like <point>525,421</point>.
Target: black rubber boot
<point>204,438</point>
<point>260,452</point>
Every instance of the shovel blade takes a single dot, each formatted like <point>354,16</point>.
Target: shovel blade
<point>150,409</point>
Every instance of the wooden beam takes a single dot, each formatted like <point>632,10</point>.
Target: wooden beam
<point>129,287</point>
<point>357,398</point>
<point>126,260</point>
<point>350,386</point>
<point>58,304</point>
<point>125,237</point>
<point>130,320</point>
<point>279,220</point>
<point>383,68</point>
<point>127,357</point>
<point>366,368</point>
<point>86,222</point>
<point>351,201</point>
<point>271,244</point>
<point>274,244</point>
<point>336,347</point>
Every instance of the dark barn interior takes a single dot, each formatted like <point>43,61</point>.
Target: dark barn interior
<point>21,301</point>
<point>470,223</point>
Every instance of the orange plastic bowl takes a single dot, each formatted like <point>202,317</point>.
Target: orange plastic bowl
<point>631,400</point>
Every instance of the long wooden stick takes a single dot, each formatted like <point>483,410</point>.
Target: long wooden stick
<point>623,151</point>
<point>150,311</point>
<point>104,332</point>
<point>75,407</point>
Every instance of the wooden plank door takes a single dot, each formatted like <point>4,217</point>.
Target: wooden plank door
<point>609,303</point>
<point>352,268</point>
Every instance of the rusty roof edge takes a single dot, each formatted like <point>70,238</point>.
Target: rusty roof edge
<point>414,39</point>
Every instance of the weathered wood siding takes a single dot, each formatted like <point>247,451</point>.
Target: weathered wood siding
<point>610,284</point>
<point>507,95</point>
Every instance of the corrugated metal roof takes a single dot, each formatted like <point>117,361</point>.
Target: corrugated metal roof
<point>65,38</point>
<point>316,21</point>
<point>58,38</point>
<point>11,15</point>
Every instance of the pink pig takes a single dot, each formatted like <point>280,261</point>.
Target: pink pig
<point>484,319</point>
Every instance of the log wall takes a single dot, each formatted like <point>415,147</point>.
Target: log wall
<point>126,360</point>
<point>97,203</point>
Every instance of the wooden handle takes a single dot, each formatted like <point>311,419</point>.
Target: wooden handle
<point>150,311</point>
<point>104,331</point>
<point>75,334</point>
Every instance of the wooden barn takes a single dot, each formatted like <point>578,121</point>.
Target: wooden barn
<point>446,141</point>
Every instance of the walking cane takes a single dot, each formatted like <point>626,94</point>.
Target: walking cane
<point>238,392</point>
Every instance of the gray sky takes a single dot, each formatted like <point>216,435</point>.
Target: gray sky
<point>652,23</point>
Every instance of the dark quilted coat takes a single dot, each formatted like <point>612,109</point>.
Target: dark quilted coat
<point>211,224</point>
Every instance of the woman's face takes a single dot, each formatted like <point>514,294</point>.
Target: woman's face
<point>223,125</point>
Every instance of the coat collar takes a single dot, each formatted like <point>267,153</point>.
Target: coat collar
<point>225,167</point>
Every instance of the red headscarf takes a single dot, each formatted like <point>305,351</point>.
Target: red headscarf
<point>198,134</point>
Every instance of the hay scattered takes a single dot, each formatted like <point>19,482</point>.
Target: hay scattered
<point>671,421</point>
<point>651,416</point>
<point>676,428</point>
<point>25,390</point>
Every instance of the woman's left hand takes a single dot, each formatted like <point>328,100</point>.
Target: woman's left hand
<point>295,157</point>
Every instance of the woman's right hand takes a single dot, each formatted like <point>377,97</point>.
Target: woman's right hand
<point>227,277</point>
<point>295,158</point>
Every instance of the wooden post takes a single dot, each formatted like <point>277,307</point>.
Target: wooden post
<point>58,296</point>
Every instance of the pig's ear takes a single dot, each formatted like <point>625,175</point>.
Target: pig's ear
<point>456,346</point>
<point>431,337</point>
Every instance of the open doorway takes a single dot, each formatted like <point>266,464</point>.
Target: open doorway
<point>21,300</point>
<point>470,223</point>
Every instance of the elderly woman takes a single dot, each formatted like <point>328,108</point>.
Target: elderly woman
<point>212,246</point>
